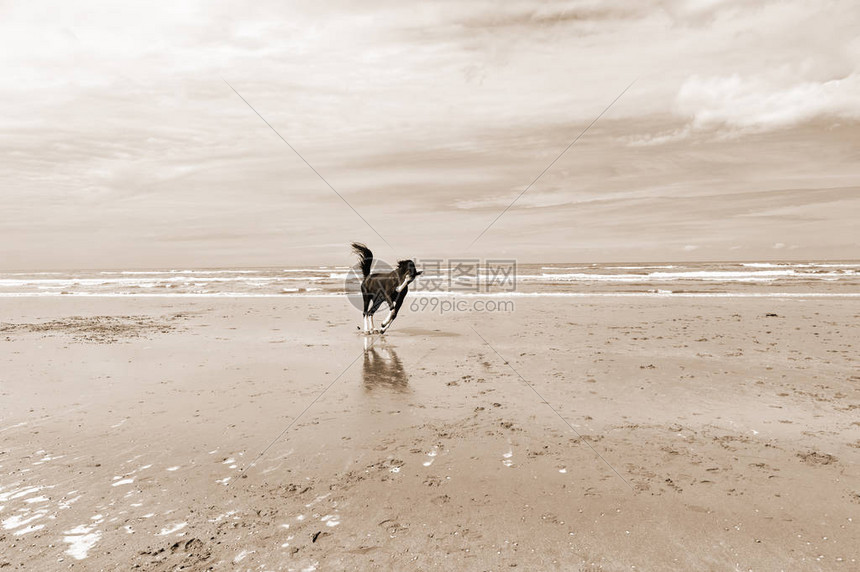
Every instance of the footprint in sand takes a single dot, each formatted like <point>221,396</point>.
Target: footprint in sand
<point>432,454</point>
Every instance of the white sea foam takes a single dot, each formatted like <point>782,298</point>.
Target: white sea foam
<point>229,295</point>
<point>81,539</point>
<point>171,529</point>
<point>149,282</point>
<point>799,265</point>
<point>23,518</point>
<point>29,529</point>
<point>700,275</point>
<point>242,555</point>
<point>652,294</point>
<point>613,267</point>
<point>331,281</point>
<point>165,295</point>
<point>18,493</point>
<point>316,500</point>
<point>169,272</point>
<point>331,520</point>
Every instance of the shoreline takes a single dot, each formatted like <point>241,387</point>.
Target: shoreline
<point>290,295</point>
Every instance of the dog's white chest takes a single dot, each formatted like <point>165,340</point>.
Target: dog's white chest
<point>403,285</point>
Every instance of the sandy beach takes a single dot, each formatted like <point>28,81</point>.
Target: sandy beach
<point>160,434</point>
<point>613,247</point>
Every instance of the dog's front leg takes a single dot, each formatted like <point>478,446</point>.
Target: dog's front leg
<point>388,319</point>
<point>392,313</point>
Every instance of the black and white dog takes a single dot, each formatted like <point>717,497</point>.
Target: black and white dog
<point>389,287</point>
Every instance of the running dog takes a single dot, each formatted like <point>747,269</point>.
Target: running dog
<point>389,287</point>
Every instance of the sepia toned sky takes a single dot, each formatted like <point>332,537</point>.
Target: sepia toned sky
<point>121,145</point>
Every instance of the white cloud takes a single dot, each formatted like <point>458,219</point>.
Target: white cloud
<point>766,102</point>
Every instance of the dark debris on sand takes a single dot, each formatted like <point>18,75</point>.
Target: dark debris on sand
<point>98,329</point>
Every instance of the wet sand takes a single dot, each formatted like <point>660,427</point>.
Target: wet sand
<point>581,433</point>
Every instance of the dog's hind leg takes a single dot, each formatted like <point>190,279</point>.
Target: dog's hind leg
<point>367,302</point>
<point>373,308</point>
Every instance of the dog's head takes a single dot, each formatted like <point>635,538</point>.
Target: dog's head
<point>407,269</point>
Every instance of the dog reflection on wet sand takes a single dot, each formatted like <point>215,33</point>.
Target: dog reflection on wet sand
<point>382,368</point>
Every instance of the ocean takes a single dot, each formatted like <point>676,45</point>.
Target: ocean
<point>473,278</point>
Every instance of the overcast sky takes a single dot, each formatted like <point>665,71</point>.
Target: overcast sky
<point>122,146</point>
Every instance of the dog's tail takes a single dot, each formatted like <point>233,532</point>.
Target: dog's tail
<point>365,257</point>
